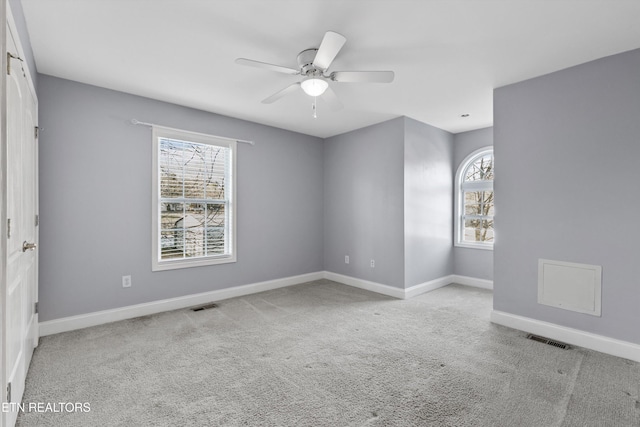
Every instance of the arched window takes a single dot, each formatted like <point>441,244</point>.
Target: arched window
<point>474,201</point>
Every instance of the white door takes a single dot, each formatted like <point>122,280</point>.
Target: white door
<point>20,317</point>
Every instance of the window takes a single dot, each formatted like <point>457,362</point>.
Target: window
<point>193,199</point>
<point>474,206</point>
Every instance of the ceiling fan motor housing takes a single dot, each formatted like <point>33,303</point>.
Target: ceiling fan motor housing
<point>305,61</point>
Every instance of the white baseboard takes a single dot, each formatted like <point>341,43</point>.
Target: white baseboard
<point>390,290</point>
<point>472,281</point>
<point>577,337</point>
<point>106,316</point>
<point>429,286</point>
<point>365,284</point>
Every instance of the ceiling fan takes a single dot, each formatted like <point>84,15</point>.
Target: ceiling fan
<point>313,65</point>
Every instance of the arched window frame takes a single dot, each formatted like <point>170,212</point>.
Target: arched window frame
<point>460,187</point>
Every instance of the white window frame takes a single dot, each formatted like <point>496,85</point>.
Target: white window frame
<point>459,199</point>
<point>159,132</point>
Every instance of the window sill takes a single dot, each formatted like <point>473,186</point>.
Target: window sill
<point>482,246</point>
<point>174,265</point>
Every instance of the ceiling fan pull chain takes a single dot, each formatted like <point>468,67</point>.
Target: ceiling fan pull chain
<point>315,107</point>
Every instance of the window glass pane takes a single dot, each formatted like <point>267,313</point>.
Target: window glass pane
<point>194,171</point>
<point>215,241</point>
<point>472,209</point>
<point>487,230</point>
<point>480,170</point>
<point>171,244</point>
<point>472,197</point>
<point>170,168</point>
<point>470,227</point>
<point>195,214</point>
<point>215,228</point>
<point>478,230</point>
<point>193,241</point>
<point>487,203</point>
<point>215,215</point>
<point>217,158</point>
<point>193,228</point>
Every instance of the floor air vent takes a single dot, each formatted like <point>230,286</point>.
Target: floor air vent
<point>548,341</point>
<point>204,307</point>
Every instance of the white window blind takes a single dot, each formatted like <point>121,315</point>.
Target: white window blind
<point>194,221</point>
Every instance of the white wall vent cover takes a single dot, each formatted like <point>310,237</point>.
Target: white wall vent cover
<point>575,287</point>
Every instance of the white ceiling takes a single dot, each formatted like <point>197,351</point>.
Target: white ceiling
<point>448,56</point>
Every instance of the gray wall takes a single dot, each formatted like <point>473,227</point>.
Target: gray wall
<point>388,197</point>
<point>567,147</point>
<point>363,203</point>
<point>428,232</point>
<point>471,262</point>
<point>23,34</point>
<point>95,201</point>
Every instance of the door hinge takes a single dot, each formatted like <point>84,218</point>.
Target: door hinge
<point>8,228</point>
<point>9,392</point>
<point>11,56</point>
<point>37,220</point>
<point>35,308</point>
<point>36,132</point>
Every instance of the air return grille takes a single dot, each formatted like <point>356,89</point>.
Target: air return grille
<point>204,307</point>
<point>548,341</point>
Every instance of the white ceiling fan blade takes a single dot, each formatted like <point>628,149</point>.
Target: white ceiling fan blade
<point>272,67</point>
<point>362,76</point>
<point>331,98</point>
<point>329,48</point>
<point>287,90</point>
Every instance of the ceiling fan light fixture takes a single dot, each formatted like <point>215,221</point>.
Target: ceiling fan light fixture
<point>314,86</point>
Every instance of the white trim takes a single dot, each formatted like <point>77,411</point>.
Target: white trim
<point>577,337</point>
<point>429,286</point>
<point>391,291</point>
<point>81,321</point>
<point>365,284</point>
<point>106,316</point>
<point>469,245</point>
<point>473,281</point>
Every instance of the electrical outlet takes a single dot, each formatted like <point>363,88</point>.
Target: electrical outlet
<point>346,259</point>
<point>373,263</point>
<point>126,281</point>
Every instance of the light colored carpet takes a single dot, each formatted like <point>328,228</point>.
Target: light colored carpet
<point>325,354</point>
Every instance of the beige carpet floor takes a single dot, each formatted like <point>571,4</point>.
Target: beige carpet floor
<point>325,354</point>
